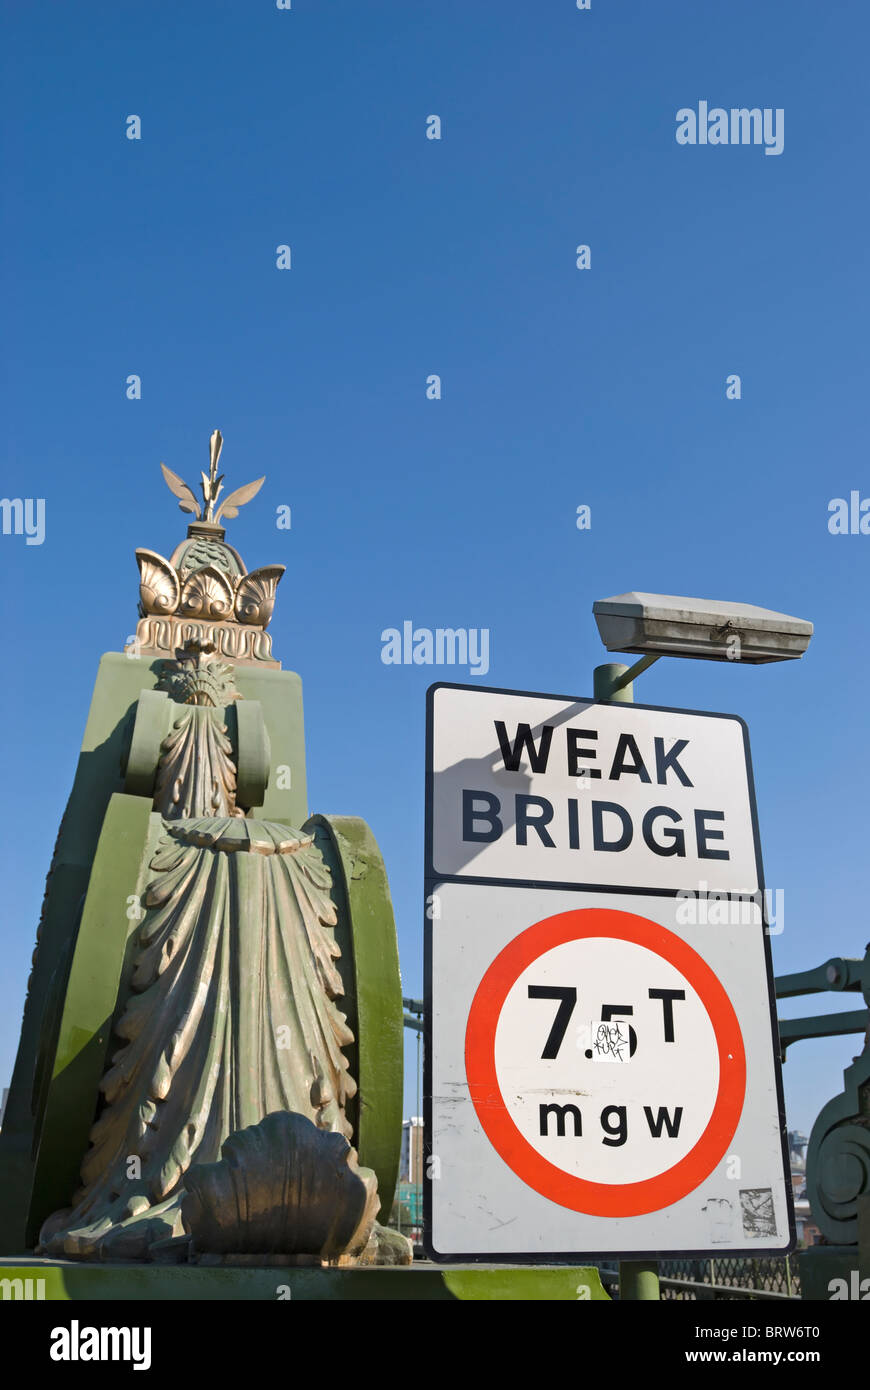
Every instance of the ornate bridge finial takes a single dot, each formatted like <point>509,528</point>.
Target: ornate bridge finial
<point>212,487</point>
<point>203,593</point>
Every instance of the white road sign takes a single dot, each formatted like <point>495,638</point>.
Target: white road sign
<point>601,1075</point>
<point>541,789</point>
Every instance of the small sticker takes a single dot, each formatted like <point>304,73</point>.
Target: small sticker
<point>610,1041</point>
<point>759,1217</point>
<point>720,1218</point>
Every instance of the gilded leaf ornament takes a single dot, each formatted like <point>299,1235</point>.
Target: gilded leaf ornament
<point>195,677</point>
<point>175,484</point>
<point>230,505</point>
<point>212,487</point>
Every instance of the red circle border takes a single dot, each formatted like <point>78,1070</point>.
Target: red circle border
<point>580,1194</point>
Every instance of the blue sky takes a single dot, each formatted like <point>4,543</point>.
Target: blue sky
<point>560,387</point>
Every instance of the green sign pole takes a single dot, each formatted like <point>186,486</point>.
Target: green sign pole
<point>638,1279</point>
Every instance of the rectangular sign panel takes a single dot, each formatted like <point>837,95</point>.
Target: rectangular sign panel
<point>602,1077</point>
<point>549,790</point>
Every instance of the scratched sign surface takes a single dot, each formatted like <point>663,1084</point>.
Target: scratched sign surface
<point>601,1071</point>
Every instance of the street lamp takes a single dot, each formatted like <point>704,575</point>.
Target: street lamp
<point>655,625</point>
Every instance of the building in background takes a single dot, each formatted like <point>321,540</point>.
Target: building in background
<point>408,1207</point>
<point>411,1160</point>
<point>807,1231</point>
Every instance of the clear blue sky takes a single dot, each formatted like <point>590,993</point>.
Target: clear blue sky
<point>560,387</point>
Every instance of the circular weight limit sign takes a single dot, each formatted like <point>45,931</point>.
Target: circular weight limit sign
<point>605,1062</point>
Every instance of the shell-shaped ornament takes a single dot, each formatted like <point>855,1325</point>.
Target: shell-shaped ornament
<point>159,589</point>
<point>207,594</point>
<point>282,1186</point>
<point>255,595</point>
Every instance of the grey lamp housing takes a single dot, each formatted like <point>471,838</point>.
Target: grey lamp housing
<point>666,625</point>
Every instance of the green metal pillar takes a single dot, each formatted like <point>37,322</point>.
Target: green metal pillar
<point>638,1279</point>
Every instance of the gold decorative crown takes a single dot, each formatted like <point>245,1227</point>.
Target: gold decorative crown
<point>203,592</point>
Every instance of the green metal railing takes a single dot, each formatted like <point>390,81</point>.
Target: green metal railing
<point>839,974</point>
<point>772,1279</point>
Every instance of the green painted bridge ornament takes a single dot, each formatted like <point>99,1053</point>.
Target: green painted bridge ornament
<point>211,1057</point>
<point>838,1156</point>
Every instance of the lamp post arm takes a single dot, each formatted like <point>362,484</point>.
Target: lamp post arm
<point>612,678</point>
